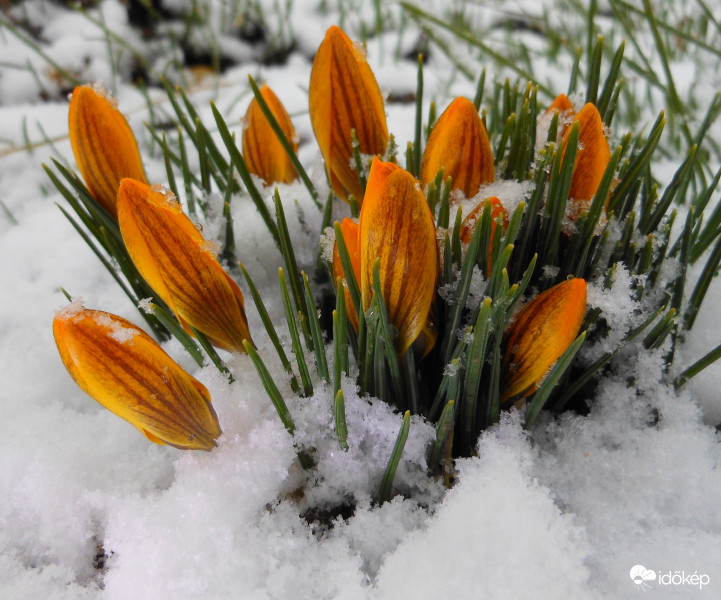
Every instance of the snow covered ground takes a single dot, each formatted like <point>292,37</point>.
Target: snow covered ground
<point>91,509</point>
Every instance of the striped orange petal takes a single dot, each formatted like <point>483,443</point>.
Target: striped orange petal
<point>177,262</point>
<point>103,144</point>
<point>344,95</point>
<point>592,157</point>
<point>459,144</point>
<point>263,153</point>
<point>396,226</point>
<point>122,368</point>
<point>469,223</point>
<point>540,334</point>
<point>350,230</point>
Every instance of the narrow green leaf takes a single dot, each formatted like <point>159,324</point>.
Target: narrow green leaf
<point>295,338</point>
<point>341,429</point>
<point>386,490</point>
<point>271,389</point>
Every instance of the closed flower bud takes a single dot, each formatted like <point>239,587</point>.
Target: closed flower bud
<point>560,104</point>
<point>540,334</point>
<point>563,106</point>
<point>459,144</point>
<point>177,262</point>
<point>344,95</point>
<point>349,229</point>
<point>471,221</point>
<point>262,151</point>
<point>592,157</point>
<point>121,367</point>
<point>103,144</point>
<point>396,226</point>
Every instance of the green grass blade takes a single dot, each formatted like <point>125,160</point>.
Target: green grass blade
<point>386,490</point>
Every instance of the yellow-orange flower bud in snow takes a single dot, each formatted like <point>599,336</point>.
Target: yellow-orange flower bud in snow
<point>122,368</point>
<point>262,151</point>
<point>592,157</point>
<point>349,229</point>
<point>343,95</point>
<point>103,144</point>
<point>459,143</point>
<point>396,226</point>
<point>471,221</point>
<point>177,262</point>
<point>562,105</point>
<point>540,334</point>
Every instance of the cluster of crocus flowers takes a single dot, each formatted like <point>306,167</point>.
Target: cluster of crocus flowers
<point>343,96</point>
<point>123,369</point>
<point>263,153</point>
<point>542,331</point>
<point>459,145</point>
<point>180,266</point>
<point>397,231</point>
<point>103,144</point>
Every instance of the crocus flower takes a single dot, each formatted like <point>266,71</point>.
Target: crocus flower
<point>177,262</point>
<point>396,226</point>
<point>344,95</point>
<point>459,144</point>
<point>103,144</point>
<point>469,223</point>
<point>349,229</point>
<point>540,334</point>
<point>592,156</point>
<point>562,105</point>
<point>263,153</point>
<point>121,367</point>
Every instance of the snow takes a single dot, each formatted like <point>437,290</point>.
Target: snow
<point>91,510</point>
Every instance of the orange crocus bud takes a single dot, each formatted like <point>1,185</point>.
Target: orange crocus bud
<point>560,104</point>
<point>262,151</point>
<point>469,223</point>
<point>177,262</point>
<point>396,226</point>
<point>541,333</point>
<point>349,229</point>
<point>344,95</point>
<point>121,367</point>
<point>592,157</point>
<point>103,144</point>
<point>459,144</point>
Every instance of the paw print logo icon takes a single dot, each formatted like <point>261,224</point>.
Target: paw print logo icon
<point>641,576</point>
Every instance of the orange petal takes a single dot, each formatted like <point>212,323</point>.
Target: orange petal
<point>396,226</point>
<point>560,104</point>
<point>459,144</point>
<point>592,156</point>
<point>469,223</point>
<point>103,144</point>
<point>344,95</point>
<point>121,367</point>
<point>541,333</point>
<point>263,153</point>
<point>179,265</point>
<point>350,230</point>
